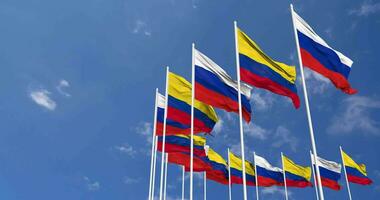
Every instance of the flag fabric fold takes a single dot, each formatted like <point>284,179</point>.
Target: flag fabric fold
<point>267,175</point>
<point>317,55</point>
<point>200,164</point>
<point>356,173</point>
<point>181,143</point>
<point>215,87</point>
<point>259,70</point>
<point>237,171</point>
<point>296,175</point>
<point>330,172</point>
<point>219,170</point>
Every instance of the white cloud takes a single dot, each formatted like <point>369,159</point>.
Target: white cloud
<point>130,180</point>
<point>283,136</point>
<point>366,8</point>
<point>316,83</point>
<point>145,129</point>
<point>218,126</point>
<point>262,100</point>
<point>256,131</point>
<point>126,149</point>
<point>41,97</point>
<point>141,27</point>
<point>275,190</point>
<point>356,115</point>
<point>60,87</point>
<point>91,185</point>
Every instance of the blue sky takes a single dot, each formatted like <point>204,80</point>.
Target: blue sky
<point>77,88</point>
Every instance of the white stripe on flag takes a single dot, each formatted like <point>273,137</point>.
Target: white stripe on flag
<point>262,162</point>
<point>327,164</point>
<point>161,101</point>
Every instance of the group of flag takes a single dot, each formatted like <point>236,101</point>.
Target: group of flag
<point>215,88</point>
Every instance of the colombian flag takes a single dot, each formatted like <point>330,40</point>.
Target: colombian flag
<point>181,143</point>
<point>215,87</point>
<point>296,175</point>
<point>219,171</point>
<point>356,173</point>
<point>179,109</point>
<point>200,163</point>
<point>258,69</point>
<point>237,171</point>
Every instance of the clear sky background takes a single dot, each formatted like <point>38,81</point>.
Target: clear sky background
<point>77,86</point>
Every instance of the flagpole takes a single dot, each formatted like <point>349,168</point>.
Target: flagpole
<point>192,121</point>
<point>256,178</point>
<point>164,133</point>
<point>154,166</point>
<point>166,174</point>
<point>153,145</point>
<point>345,173</point>
<point>315,180</point>
<point>204,186</point>
<point>240,111</point>
<point>283,172</point>
<point>314,148</point>
<point>229,175</point>
<point>183,182</point>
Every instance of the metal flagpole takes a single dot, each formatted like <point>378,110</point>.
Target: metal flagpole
<point>240,111</point>
<point>153,146</point>
<point>183,182</point>
<point>154,166</point>
<point>283,172</point>
<point>345,173</point>
<point>166,174</point>
<point>164,133</point>
<point>192,120</point>
<point>314,148</point>
<point>204,186</point>
<point>315,180</point>
<point>256,178</point>
<point>229,175</point>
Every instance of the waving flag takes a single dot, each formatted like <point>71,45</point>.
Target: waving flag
<point>356,173</point>
<point>267,175</point>
<point>317,55</point>
<point>258,69</point>
<point>237,171</point>
<point>200,164</point>
<point>296,175</point>
<point>181,143</point>
<point>215,87</point>
<point>161,103</point>
<point>219,170</point>
<point>330,172</point>
<point>179,109</point>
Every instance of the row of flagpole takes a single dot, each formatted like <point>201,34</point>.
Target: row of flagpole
<point>162,191</point>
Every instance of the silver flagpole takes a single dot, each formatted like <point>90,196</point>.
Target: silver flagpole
<point>192,121</point>
<point>256,178</point>
<point>283,172</point>
<point>183,182</point>
<point>240,110</point>
<point>154,166</point>
<point>315,180</point>
<point>229,175</point>
<point>164,134</point>
<point>345,173</point>
<point>204,186</point>
<point>153,147</point>
<point>314,148</point>
<point>166,174</point>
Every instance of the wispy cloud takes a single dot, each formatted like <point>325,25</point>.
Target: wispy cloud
<point>365,9</point>
<point>61,86</point>
<point>218,126</point>
<point>316,83</point>
<point>145,129</point>
<point>130,180</point>
<point>262,100</point>
<point>140,27</point>
<point>126,149</point>
<point>275,190</point>
<point>91,185</point>
<point>255,131</point>
<point>356,115</point>
<point>283,136</point>
<point>42,98</point>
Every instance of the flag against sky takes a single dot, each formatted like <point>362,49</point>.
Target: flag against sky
<point>179,109</point>
<point>215,87</point>
<point>296,175</point>
<point>317,55</point>
<point>259,70</point>
<point>161,104</point>
<point>181,143</point>
<point>330,172</point>
<point>356,173</point>
<point>219,170</point>
<point>267,175</point>
<point>237,170</point>
<point>200,163</point>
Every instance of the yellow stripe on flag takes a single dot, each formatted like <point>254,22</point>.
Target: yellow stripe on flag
<point>236,164</point>
<point>198,140</point>
<point>213,156</point>
<point>295,169</point>
<point>349,162</point>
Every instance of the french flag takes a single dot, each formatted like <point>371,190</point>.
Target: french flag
<point>317,55</point>
<point>215,87</point>
<point>267,175</point>
<point>330,173</point>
